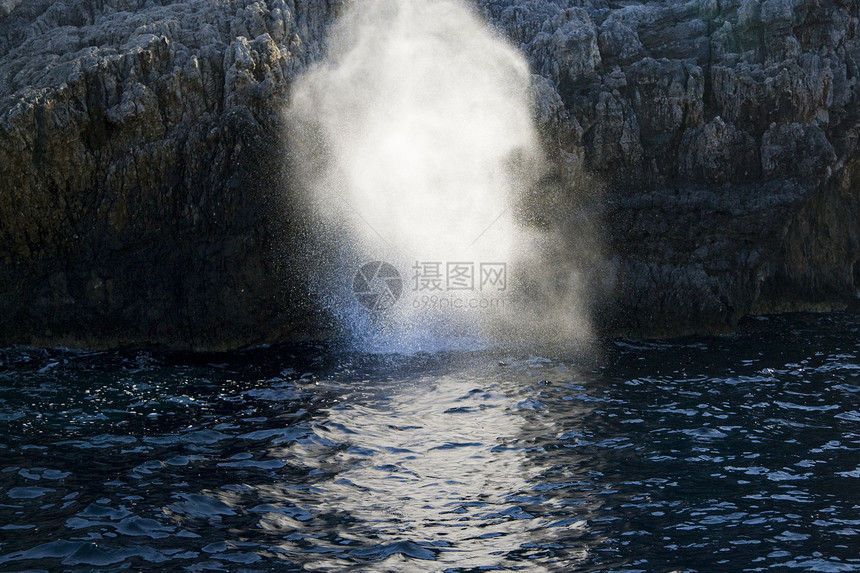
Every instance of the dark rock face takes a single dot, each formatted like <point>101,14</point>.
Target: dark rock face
<point>724,136</point>
<point>142,161</point>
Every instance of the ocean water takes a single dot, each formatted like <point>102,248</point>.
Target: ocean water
<point>703,454</point>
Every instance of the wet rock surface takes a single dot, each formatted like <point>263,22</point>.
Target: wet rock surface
<point>142,178</point>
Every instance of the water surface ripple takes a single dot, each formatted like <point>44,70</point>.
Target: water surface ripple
<point>717,454</point>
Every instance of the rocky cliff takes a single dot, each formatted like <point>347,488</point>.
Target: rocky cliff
<point>142,161</point>
<point>723,135</point>
<point>140,158</point>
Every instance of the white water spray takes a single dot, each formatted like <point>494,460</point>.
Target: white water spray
<point>413,140</point>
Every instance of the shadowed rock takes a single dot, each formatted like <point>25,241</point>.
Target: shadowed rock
<point>144,198</point>
<point>140,155</point>
<point>723,140</point>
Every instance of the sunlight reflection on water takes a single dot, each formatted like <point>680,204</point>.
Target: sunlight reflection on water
<point>710,454</point>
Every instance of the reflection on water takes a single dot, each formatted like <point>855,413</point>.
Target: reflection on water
<point>435,466</point>
<point>708,454</point>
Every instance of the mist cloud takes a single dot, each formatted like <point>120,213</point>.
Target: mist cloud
<point>414,140</point>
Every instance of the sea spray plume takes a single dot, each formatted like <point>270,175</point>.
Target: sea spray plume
<point>420,106</point>
<point>413,141</point>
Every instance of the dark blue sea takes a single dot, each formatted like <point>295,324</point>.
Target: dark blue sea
<point>737,453</point>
